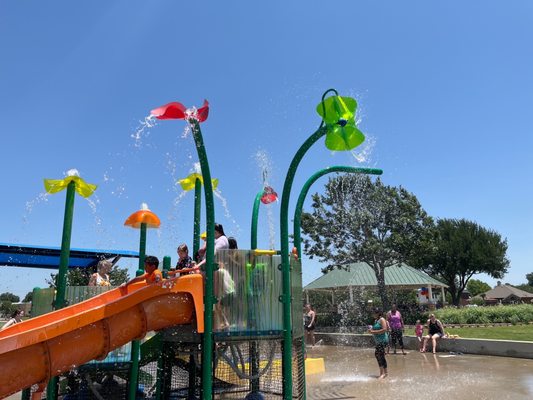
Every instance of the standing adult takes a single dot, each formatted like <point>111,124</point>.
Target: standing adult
<point>221,243</point>
<point>309,324</point>
<point>436,331</point>
<point>381,338</point>
<point>224,286</point>
<point>101,276</point>
<point>394,318</point>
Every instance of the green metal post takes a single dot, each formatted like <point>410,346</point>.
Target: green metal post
<point>255,216</point>
<point>285,261</point>
<point>65,246</point>
<point>209,299</point>
<point>135,345</point>
<point>197,216</point>
<point>305,190</point>
<point>51,391</point>
<point>254,353</point>
<point>166,266</point>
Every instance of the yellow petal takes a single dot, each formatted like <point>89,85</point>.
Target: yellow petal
<point>190,182</point>
<point>83,188</point>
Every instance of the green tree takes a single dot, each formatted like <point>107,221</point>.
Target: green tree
<point>28,298</point>
<point>462,249</point>
<point>7,296</point>
<point>525,288</point>
<point>529,278</point>
<point>75,277</point>
<point>118,275</point>
<point>81,276</point>
<point>475,287</point>
<point>358,220</point>
<point>6,308</point>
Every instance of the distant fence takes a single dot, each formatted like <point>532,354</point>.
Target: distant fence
<point>43,299</point>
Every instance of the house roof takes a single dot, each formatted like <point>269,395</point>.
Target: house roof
<point>20,255</point>
<point>361,274</point>
<point>504,291</point>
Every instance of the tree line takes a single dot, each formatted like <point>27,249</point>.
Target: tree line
<point>358,219</point>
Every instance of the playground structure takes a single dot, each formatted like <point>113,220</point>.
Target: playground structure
<point>212,342</point>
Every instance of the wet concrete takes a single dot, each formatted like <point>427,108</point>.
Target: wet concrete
<point>351,373</point>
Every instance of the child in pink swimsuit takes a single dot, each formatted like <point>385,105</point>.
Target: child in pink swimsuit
<point>419,332</point>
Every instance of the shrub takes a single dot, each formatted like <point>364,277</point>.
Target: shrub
<point>514,314</point>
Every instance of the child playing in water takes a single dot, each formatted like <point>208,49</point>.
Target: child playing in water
<point>419,332</point>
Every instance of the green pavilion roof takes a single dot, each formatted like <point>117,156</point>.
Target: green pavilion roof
<point>361,274</point>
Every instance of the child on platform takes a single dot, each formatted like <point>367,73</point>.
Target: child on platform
<point>184,262</point>
<point>151,273</point>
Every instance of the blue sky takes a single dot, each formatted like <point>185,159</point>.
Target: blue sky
<point>445,95</point>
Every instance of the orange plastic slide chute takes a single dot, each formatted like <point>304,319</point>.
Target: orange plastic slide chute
<point>33,351</point>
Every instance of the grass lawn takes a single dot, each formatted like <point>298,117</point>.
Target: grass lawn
<point>514,332</point>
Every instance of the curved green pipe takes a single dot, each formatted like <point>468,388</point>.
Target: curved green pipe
<point>197,216</point>
<point>305,190</point>
<point>255,216</point>
<point>209,300</point>
<point>285,261</point>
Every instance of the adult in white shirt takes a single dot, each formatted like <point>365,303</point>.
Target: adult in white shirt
<point>221,243</point>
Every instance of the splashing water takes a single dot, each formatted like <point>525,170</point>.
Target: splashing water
<point>93,201</point>
<point>186,132</point>
<point>142,130</point>
<point>102,236</point>
<point>271,228</point>
<point>363,153</point>
<point>227,214</point>
<point>197,168</point>
<point>265,166</point>
<point>348,378</point>
<point>178,199</point>
<point>119,191</point>
<point>72,172</point>
<point>30,205</point>
<point>264,162</point>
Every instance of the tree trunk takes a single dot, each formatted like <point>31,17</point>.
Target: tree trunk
<point>455,295</point>
<point>382,289</point>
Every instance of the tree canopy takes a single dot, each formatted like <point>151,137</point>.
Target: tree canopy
<point>461,249</point>
<point>475,287</point>
<point>81,276</point>
<point>529,278</point>
<point>7,296</point>
<point>28,298</point>
<point>360,220</point>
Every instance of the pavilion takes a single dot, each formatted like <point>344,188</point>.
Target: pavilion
<point>359,275</point>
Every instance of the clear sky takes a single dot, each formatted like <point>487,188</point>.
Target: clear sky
<point>445,92</point>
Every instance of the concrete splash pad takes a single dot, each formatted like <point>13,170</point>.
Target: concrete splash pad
<point>351,374</point>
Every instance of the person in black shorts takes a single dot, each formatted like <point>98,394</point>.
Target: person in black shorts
<point>435,332</point>
<point>309,324</point>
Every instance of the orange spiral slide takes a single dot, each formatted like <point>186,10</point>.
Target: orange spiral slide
<point>35,350</point>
